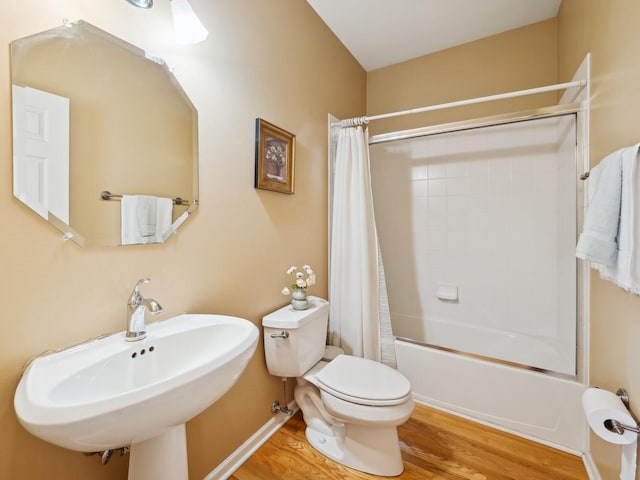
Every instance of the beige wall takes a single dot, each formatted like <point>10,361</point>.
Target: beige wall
<point>274,60</point>
<point>608,29</point>
<point>514,60</point>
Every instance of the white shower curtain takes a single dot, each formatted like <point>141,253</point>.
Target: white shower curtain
<point>359,319</point>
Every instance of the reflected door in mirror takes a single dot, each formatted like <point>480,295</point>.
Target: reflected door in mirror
<point>41,151</point>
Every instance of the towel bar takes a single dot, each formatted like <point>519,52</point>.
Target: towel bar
<point>107,195</point>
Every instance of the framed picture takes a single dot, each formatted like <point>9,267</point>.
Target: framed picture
<point>275,154</point>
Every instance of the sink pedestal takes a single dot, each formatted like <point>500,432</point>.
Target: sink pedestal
<point>160,458</point>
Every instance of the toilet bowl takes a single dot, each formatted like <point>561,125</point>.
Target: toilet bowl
<point>351,406</point>
<point>355,422</point>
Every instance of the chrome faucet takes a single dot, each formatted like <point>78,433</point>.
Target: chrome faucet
<point>136,307</point>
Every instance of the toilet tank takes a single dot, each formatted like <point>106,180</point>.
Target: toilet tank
<point>305,332</point>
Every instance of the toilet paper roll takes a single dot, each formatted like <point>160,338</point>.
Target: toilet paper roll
<point>602,405</point>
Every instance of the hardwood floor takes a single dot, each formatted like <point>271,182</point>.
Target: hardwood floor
<point>435,446</point>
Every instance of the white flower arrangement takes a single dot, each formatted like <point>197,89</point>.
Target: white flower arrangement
<point>300,282</point>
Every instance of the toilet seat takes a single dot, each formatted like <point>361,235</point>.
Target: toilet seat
<point>367,415</point>
<point>363,382</point>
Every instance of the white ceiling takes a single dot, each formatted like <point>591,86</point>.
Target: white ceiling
<point>383,32</point>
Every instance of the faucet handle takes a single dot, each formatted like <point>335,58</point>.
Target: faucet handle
<point>140,283</point>
<point>135,295</point>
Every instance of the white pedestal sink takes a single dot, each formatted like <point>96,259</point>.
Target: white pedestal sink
<point>109,393</point>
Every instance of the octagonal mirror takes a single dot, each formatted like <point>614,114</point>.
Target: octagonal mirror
<point>105,140</point>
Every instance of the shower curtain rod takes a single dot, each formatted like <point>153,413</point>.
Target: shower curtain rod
<point>352,122</point>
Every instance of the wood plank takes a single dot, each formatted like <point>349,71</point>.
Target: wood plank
<point>435,446</point>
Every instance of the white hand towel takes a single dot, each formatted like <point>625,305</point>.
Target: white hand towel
<point>129,220</point>
<point>597,243</point>
<point>144,219</point>
<point>146,215</point>
<point>625,271</point>
<point>164,218</point>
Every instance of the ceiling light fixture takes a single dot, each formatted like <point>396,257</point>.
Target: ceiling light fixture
<point>186,24</point>
<point>141,3</point>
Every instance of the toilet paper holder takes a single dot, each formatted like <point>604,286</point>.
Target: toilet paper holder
<point>617,427</point>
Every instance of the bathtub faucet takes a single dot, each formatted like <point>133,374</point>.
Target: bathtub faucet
<point>136,308</point>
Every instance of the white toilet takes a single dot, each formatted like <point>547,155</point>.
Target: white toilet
<point>352,406</point>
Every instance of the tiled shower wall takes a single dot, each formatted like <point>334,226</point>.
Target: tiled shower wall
<point>486,216</point>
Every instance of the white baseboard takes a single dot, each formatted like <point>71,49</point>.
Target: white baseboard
<point>244,451</point>
<point>590,467</point>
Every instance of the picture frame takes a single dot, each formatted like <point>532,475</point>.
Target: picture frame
<point>275,157</point>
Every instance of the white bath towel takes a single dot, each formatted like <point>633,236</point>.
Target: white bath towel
<point>625,270</point>
<point>144,218</point>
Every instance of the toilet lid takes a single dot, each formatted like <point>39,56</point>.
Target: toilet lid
<point>363,381</point>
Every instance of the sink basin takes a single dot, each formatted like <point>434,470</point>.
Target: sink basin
<point>110,393</point>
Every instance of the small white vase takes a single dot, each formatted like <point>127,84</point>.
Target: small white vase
<point>299,300</point>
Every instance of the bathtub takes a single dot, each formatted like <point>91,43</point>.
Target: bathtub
<point>532,404</point>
